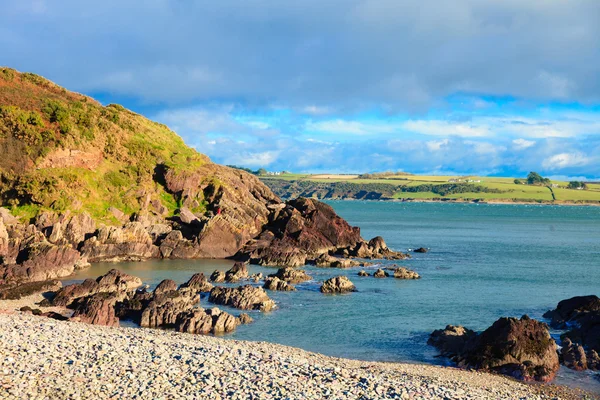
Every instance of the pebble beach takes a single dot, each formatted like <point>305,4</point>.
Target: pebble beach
<point>41,358</point>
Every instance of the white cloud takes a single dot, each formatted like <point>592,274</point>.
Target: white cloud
<point>565,160</point>
<point>436,145</point>
<point>446,128</point>
<point>521,144</point>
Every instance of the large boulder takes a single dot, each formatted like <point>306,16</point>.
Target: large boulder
<point>244,297</point>
<point>97,309</point>
<point>380,273</point>
<point>375,248</point>
<point>164,308</point>
<point>165,286</point>
<point>291,275</point>
<point>568,311</point>
<point>521,348</point>
<point>338,284</point>
<point>217,276</point>
<point>204,321</point>
<point>197,283</point>
<point>114,281</point>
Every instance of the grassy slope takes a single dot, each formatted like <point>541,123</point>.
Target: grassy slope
<point>39,120</point>
<point>509,191</point>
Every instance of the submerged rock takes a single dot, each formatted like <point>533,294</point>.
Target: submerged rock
<point>380,274</point>
<point>405,273</point>
<point>338,284</point>
<point>421,250</point>
<point>363,273</point>
<point>244,319</point>
<point>521,348</point>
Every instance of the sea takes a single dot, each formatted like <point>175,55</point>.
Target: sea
<point>485,261</point>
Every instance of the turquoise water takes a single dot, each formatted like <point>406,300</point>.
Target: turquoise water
<point>486,261</point>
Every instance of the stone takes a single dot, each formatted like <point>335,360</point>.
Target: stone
<point>421,250</point>
<point>568,311</point>
<point>238,272</point>
<point>197,283</point>
<point>217,276</point>
<point>244,319</point>
<point>380,273</point>
<point>291,275</point>
<point>363,273</point>
<point>274,283</point>
<point>165,286</point>
<point>405,273</point>
<point>573,355</point>
<point>244,297</point>
<point>97,309</point>
<point>338,284</point>
<point>202,321</point>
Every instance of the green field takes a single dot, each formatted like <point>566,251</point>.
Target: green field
<point>412,187</point>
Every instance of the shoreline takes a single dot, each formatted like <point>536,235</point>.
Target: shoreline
<point>73,360</point>
<point>453,201</point>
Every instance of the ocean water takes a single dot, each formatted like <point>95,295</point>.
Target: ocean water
<point>485,262</point>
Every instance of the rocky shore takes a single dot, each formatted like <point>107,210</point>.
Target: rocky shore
<point>44,358</point>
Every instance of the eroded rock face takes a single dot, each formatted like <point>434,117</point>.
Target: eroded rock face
<point>338,284</point>
<point>238,272</point>
<point>244,297</point>
<point>291,275</point>
<point>217,276</point>
<point>164,308</point>
<point>113,281</point>
<point>132,242</point>
<point>198,283</point>
<point>42,261</point>
<point>165,286</point>
<point>204,321</point>
<point>274,283</point>
<point>98,309</point>
<point>405,273</point>
<point>302,230</point>
<point>521,348</point>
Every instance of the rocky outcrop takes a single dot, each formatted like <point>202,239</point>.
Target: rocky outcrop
<point>98,309</point>
<point>274,283</point>
<point>197,283</point>
<point>113,281</point>
<point>164,308</point>
<point>41,261</point>
<point>298,231</point>
<point>363,273</point>
<point>521,348</point>
<point>217,276</point>
<point>581,343</point>
<point>375,248</point>
<point>244,297</point>
<point>405,273</point>
<point>421,250</point>
<point>291,275</point>
<point>380,274</point>
<point>128,243</point>
<point>66,228</point>
<point>238,272</point>
<point>326,260</point>
<point>165,286</point>
<point>338,284</point>
<point>204,321</point>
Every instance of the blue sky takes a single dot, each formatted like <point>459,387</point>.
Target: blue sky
<point>500,87</point>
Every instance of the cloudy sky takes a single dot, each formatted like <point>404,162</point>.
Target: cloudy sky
<point>497,87</point>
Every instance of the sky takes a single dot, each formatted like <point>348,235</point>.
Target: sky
<point>495,87</point>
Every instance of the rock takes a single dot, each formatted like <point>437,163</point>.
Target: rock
<point>17,291</point>
<point>452,341</point>
<point>421,250</point>
<point>326,260</point>
<point>291,275</point>
<point>187,217</point>
<point>197,283</point>
<point>521,348</point>
<point>164,308</point>
<point>238,272</point>
<point>113,281</point>
<point>41,261</point>
<point>203,321</point>
<point>244,297</point>
<point>573,355</point>
<point>97,309</point>
<point>257,277</point>
<point>363,273</point>
<point>593,360</point>
<point>244,319</point>
<point>68,228</point>
<point>303,229</point>
<point>569,311</point>
<point>128,243</point>
<point>274,283</point>
<point>376,248</point>
<point>338,284</point>
<point>165,286</point>
<point>405,273</point>
<point>217,276</point>
<point>380,274</point>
